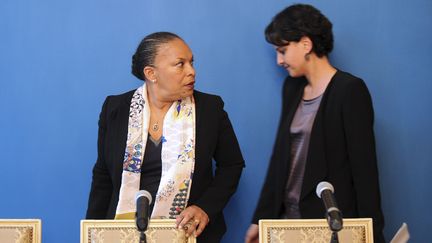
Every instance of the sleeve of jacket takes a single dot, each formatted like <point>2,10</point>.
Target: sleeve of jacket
<point>358,124</point>
<point>101,187</point>
<point>229,165</point>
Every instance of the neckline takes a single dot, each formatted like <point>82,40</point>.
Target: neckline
<point>313,99</point>
<point>156,142</point>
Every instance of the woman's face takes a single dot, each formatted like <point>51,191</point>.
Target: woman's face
<point>292,58</point>
<point>174,71</point>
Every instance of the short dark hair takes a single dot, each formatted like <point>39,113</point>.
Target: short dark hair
<point>300,20</point>
<point>147,50</point>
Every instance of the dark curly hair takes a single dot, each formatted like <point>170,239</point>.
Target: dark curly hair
<point>300,20</point>
<point>147,50</point>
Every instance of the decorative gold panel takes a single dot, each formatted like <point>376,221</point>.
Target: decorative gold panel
<point>20,230</point>
<point>125,231</point>
<point>314,231</point>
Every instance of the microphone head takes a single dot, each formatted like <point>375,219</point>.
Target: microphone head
<point>323,185</point>
<point>143,193</point>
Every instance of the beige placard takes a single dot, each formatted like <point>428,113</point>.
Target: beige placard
<point>20,230</point>
<point>115,231</point>
<point>357,230</point>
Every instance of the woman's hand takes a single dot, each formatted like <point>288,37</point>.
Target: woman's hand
<point>193,220</point>
<point>252,234</point>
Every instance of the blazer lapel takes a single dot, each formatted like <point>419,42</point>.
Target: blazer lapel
<point>120,120</point>
<point>316,165</point>
<point>198,114</point>
<point>290,107</point>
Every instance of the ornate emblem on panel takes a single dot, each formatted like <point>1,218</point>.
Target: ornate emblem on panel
<point>21,234</point>
<point>312,234</point>
<point>131,235</point>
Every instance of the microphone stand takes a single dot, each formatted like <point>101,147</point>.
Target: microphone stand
<point>334,237</point>
<point>143,238</point>
<point>335,230</point>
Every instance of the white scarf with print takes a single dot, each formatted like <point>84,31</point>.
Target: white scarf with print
<point>178,157</point>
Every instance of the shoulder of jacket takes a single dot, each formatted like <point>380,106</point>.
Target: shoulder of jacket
<point>113,102</point>
<point>345,79</point>
<point>345,85</point>
<point>122,97</point>
<point>202,97</point>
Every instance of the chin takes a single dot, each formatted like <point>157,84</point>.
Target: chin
<point>187,93</point>
<point>295,74</point>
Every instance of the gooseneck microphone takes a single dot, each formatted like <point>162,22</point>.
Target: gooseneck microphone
<point>143,201</point>
<point>325,191</point>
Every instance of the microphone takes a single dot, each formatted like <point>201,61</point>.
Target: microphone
<point>325,191</point>
<point>143,200</point>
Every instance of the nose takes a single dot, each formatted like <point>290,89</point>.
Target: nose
<point>191,70</point>
<point>279,59</point>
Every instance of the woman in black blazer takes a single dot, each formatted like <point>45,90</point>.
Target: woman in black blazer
<point>325,132</point>
<point>165,62</point>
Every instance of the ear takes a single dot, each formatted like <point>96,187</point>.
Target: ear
<point>307,44</point>
<point>149,73</point>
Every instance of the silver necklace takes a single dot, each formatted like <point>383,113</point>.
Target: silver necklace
<point>155,127</point>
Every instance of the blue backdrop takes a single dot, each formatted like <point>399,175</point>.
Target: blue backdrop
<point>59,59</point>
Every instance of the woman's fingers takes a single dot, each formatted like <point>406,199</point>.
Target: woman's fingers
<point>183,220</point>
<point>193,220</point>
<point>200,229</point>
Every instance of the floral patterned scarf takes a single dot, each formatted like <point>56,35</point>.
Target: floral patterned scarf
<point>178,157</point>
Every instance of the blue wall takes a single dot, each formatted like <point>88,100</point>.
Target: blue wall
<point>59,59</point>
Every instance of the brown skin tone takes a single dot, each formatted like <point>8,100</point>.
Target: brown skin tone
<point>170,78</point>
<point>299,60</point>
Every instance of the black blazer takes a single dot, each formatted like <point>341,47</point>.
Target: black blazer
<point>341,151</point>
<point>215,139</point>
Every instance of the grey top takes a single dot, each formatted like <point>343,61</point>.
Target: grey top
<point>300,132</point>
